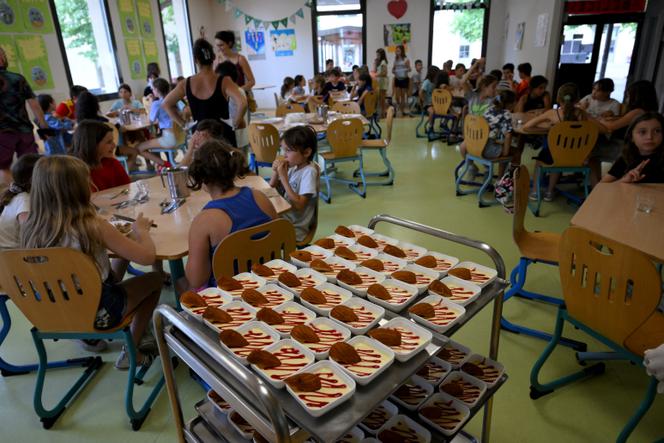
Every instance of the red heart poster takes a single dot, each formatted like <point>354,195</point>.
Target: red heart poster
<point>397,8</point>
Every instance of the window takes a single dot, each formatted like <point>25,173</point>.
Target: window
<point>88,48</point>
<point>177,38</point>
<point>339,27</point>
<point>459,27</point>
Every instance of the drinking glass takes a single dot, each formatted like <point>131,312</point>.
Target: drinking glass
<point>645,203</point>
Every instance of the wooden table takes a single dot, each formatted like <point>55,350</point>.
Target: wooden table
<point>610,211</point>
<point>340,96</point>
<point>525,117</point>
<point>280,122</point>
<point>171,237</point>
<point>143,122</point>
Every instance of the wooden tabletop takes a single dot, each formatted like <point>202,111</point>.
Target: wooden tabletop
<point>138,122</point>
<point>523,118</point>
<point>310,119</point>
<point>171,236</point>
<point>610,211</point>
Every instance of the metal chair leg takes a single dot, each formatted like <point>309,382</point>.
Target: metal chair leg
<point>640,412</point>
<point>326,196</point>
<point>363,181</point>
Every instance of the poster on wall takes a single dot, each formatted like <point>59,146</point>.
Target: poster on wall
<point>7,43</point>
<point>128,18</point>
<point>541,30</point>
<point>34,61</point>
<point>518,37</point>
<point>255,41</point>
<point>283,42</point>
<point>135,56</point>
<point>9,16</point>
<point>145,18</point>
<point>36,16</point>
<point>396,34</point>
<point>150,51</point>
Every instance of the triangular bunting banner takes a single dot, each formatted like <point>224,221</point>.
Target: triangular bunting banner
<point>284,22</point>
<point>228,6</point>
<point>238,13</point>
<point>292,18</point>
<point>275,24</point>
<point>300,13</point>
<point>247,19</point>
<point>257,23</point>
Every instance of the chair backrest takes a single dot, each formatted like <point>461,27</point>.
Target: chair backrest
<point>147,103</point>
<point>57,289</point>
<point>571,142</point>
<point>521,182</point>
<point>288,108</point>
<point>345,136</point>
<point>180,136</point>
<point>374,84</point>
<point>346,107</point>
<point>276,100</point>
<point>441,99</point>
<point>608,286</point>
<point>313,101</point>
<point>389,121</point>
<point>475,134</point>
<point>370,103</point>
<point>242,249</point>
<point>264,141</point>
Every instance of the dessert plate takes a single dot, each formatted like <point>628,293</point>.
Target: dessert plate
<point>294,314</point>
<point>329,333</point>
<point>240,312</point>
<point>423,276</point>
<point>337,264</point>
<point>444,412</point>
<point>218,402</point>
<point>413,393</point>
<point>368,277</point>
<point>380,415</point>
<point>376,358</point>
<point>434,371</point>
<point>446,313</point>
<point>463,292</point>
<point>293,357</point>
<point>454,353</point>
<point>276,296</point>
<point>473,389</point>
<point>336,388</point>
<point>258,334</point>
<point>401,293</point>
<point>334,296</point>
<point>308,279</point>
<point>491,370</point>
<point>316,252</point>
<point>480,275</point>
<point>248,280</point>
<point>405,429</point>
<point>213,297</point>
<point>413,338</point>
<point>390,264</point>
<point>443,263</point>
<point>368,315</point>
<point>277,266</point>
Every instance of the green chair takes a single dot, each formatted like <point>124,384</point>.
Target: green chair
<point>58,290</point>
<point>570,144</point>
<point>611,293</point>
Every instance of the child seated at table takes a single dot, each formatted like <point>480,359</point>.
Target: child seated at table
<point>61,186</point>
<point>300,83</point>
<point>318,85</point>
<point>536,97</point>
<point>334,83</point>
<point>599,103</point>
<point>160,89</point>
<point>15,201</point>
<point>214,168</point>
<point>93,143</point>
<point>296,177</point>
<point>642,160</point>
<point>362,89</point>
<point>125,102</point>
<point>54,144</point>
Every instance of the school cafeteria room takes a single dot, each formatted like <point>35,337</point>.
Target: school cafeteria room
<point>398,221</point>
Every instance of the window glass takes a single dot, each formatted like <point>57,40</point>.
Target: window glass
<point>339,39</point>
<point>177,37</point>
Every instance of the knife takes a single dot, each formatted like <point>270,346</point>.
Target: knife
<point>129,219</point>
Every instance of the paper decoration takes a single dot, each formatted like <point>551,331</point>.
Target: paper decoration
<point>36,16</point>
<point>145,18</point>
<point>247,19</point>
<point>257,22</point>
<point>396,34</point>
<point>542,30</point>
<point>128,18</point>
<point>518,37</point>
<point>255,41</point>
<point>283,41</point>
<point>34,61</point>
<point>397,8</point>
<point>150,51</point>
<point>300,13</point>
<point>135,56</point>
<point>9,17</point>
<point>7,43</point>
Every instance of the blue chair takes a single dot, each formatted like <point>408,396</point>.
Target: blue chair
<point>570,143</point>
<point>381,146</point>
<point>442,123</point>
<point>345,138</point>
<point>180,145</point>
<point>58,290</point>
<point>371,113</point>
<point>476,135</point>
<point>264,142</point>
<point>611,293</point>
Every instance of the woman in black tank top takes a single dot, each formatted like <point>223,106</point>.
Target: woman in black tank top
<point>215,105</point>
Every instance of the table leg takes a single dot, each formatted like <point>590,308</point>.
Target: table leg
<point>177,271</point>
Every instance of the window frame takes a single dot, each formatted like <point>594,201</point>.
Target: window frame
<point>314,28</point>
<point>63,49</point>
<point>190,41</point>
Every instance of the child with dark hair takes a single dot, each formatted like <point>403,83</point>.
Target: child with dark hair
<point>428,86</point>
<point>206,130</point>
<point>126,101</point>
<point>507,79</point>
<point>333,83</point>
<point>214,169</point>
<point>599,103</point>
<point>167,139</point>
<point>296,176</point>
<point>536,96</point>
<point>415,84</point>
<point>87,108</point>
<point>525,71</point>
<point>67,108</point>
<point>300,83</point>
<point>153,73</point>
<point>15,201</point>
<point>286,90</point>
<point>54,144</point>
<point>360,92</point>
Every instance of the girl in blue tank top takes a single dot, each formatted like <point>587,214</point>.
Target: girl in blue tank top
<point>214,169</point>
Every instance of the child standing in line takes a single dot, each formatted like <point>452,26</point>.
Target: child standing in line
<point>160,89</point>
<point>297,176</point>
<point>15,201</point>
<point>415,84</point>
<point>61,185</point>
<point>54,144</point>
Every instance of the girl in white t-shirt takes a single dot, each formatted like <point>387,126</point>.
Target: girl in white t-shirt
<point>297,176</point>
<point>15,201</point>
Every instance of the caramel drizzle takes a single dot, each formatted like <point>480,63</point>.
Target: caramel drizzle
<point>332,299</point>
<point>414,396</point>
<point>477,276</point>
<point>306,281</point>
<point>371,362</point>
<point>291,362</point>
<point>470,392</point>
<point>291,319</point>
<point>456,355</point>
<point>246,284</point>
<point>274,298</point>
<point>390,266</point>
<point>421,279</point>
<point>336,268</point>
<point>409,435</point>
<point>240,317</point>
<point>490,373</point>
<point>210,300</point>
<point>318,399</point>
<point>257,340</point>
<point>442,314</point>
<point>442,264</point>
<point>399,295</point>
<point>327,338</point>
<point>431,372</point>
<point>450,417</point>
<point>360,256</point>
<point>365,317</point>
<point>244,427</point>
<point>409,341</point>
<point>367,280</point>
<point>459,293</point>
<point>376,418</point>
<point>412,254</point>
<point>278,270</point>
<point>348,438</point>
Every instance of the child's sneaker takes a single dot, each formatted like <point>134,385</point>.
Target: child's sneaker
<point>549,196</point>
<point>532,196</point>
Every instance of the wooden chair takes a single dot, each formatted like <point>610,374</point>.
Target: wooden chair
<point>276,101</point>
<point>570,144</point>
<point>264,142</point>
<point>313,102</point>
<point>147,104</point>
<point>611,293</point>
<point>535,247</point>
<point>347,107</point>
<point>381,146</point>
<point>58,290</point>
<point>239,251</point>
<point>476,135</point>
<point>441,100</point>
<point>345,139</point>
<point>371,113</point>
<point>288,108</point>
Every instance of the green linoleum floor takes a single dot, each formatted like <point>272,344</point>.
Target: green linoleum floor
<point>593,410</point>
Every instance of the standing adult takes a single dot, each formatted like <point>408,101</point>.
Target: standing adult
<point>16,134</point>
<point>224,42</point>
<point>401,69</point>
<point>208,94</point>
<point>380,68</point>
